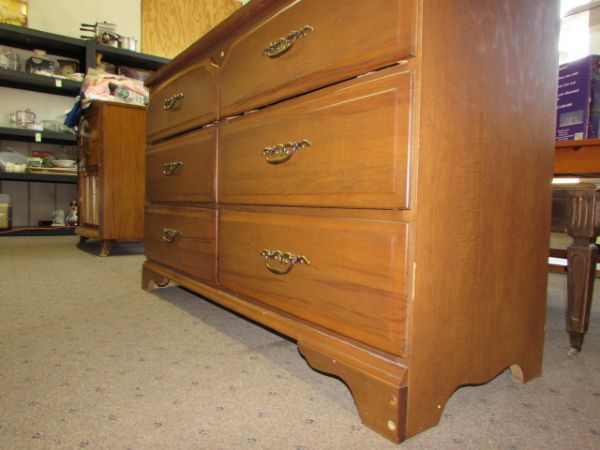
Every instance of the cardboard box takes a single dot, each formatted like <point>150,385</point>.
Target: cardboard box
<point>578,103</point>
<point>5,213</point>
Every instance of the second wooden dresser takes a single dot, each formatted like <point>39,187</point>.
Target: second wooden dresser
<point>354,175</point>
<point>111,174</point>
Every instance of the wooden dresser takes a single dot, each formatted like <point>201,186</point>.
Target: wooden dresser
<point>371,179</point>
<point>111,174</point>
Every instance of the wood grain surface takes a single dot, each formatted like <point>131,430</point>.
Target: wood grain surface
<point>342,44</point>
<point>170,26</point>
<point>354,290</point>
<point>111,192</point>
<point>193,251</point>
<point>197,105</point>
<point>358,154</point>
<point>487,100</point>
<point>453,287</point>
<point>194,180</point>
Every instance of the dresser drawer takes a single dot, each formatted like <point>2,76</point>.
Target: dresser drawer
<point>357,290</point>
<point>184,101</point>
<point>341,38</point>
<point>89,140</point>
<point>182,169</point>
<point>182,237</point>
<point>348,146</point>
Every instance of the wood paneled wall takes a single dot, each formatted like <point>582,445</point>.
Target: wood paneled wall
<point>170,26</point>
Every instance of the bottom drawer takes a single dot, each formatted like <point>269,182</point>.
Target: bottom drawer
<point>182,238</point>
<point>346,275</point>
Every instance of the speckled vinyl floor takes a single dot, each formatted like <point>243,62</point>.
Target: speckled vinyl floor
<point>90,360</point>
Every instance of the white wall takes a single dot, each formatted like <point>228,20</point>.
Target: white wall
<point>65,16</point>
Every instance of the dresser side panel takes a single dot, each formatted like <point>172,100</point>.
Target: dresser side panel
<point>486,145</point>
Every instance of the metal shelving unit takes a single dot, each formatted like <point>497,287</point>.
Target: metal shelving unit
<point>47,137</point>
<point>82,50</point>
<point>39,231</point>
<point>38,177</point>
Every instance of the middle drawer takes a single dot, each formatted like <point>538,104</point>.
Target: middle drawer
<point>343,146</point>
<point>181,169</point>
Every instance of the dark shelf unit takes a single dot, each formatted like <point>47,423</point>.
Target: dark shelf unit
<point>29,39</point>
<point>47,137</point>
<point>39,83</point>
<point>39,231</point>
<point>82,50</point>
<point>38,177</point>
<point>122,57</point>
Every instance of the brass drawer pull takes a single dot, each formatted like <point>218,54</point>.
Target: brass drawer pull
<point>289,259</point>
<point>280,153</point>
<point>171,167</point>
<point>282,45</point>
<point>169,234</point>
<point>170,102</point>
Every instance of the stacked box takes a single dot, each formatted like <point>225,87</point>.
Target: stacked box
<point>578,104</point>
<point>5,216</point>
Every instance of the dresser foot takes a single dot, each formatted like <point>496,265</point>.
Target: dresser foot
<point>151,280</point>
<point>526,371</point>
<point>107,246</point>
<point>378,386</point>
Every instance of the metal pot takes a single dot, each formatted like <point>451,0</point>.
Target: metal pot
<point>128,42</point>
<point>110,39</point>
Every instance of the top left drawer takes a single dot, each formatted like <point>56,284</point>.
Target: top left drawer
<point>185,101</point>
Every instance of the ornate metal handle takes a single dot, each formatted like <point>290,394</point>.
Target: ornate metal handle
<point>282,45</point>
<point>286,258</point>
<point>170,102</point>
<point>280,153</point>
<point>170,167</point>
<point>169,234</point>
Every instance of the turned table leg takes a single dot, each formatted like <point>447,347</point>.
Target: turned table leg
<point>582,225</point>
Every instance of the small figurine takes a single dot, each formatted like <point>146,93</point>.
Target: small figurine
<point>71,218</point>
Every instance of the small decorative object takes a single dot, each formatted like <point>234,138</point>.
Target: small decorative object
<point>14,12</point>
<point>134,73</point>
<point>104,66</point>
<point>68,67</point>
<point>25,118</point>
<point>58,218</point>
<point>71,218</point>
<point>39,64</point>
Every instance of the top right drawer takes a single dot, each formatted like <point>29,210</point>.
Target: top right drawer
<point>312,43</point>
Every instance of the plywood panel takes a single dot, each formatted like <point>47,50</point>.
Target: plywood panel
<point>170,26</point>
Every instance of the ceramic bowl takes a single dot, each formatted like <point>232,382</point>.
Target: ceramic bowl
<point>63,163</point>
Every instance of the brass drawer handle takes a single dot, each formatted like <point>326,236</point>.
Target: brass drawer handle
<point>169,234</point>
<point>280,153</point>
<point>289,259</point>
<point>170,102</point>
<point>171,167</point>
<point>282,45</point>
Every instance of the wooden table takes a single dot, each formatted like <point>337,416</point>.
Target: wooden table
<point>579,158</point>
<point>582,159</point>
